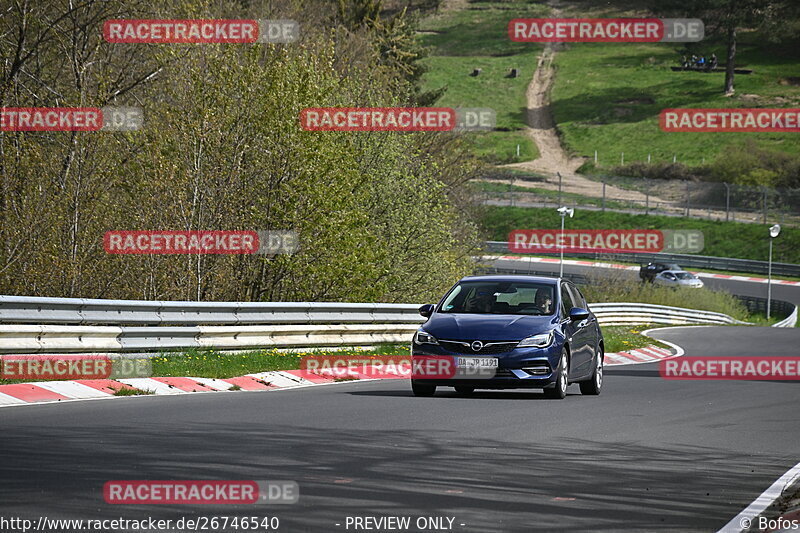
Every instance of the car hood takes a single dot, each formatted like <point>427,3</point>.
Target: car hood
<point>469,327</point>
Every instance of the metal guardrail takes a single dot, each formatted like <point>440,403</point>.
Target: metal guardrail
<point>624,313</point>
<point>684,260</point>
<point>63,326</point>
<point>788,322</point>
<point>81,311</point>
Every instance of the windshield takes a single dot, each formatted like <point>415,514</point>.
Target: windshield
<point>500,298</point>
<point>684,275</point>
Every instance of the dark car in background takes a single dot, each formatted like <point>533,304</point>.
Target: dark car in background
<point>519,331</point>
<point>649,271</point>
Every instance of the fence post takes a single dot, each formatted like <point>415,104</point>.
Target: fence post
<point>674,159</point>
<point>604,195</point>
<point>595,157</point>
<point>648,158</point>
<point>559,188</point>
<point>727,201</point>
<point>687,198</point>
<point>622,158</point>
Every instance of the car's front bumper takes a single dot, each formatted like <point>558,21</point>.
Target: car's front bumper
<point>533,368</point>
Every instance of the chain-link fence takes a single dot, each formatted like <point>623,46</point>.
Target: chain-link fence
<point>709,200</point>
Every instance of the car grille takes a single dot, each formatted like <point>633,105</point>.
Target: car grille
<point>488,348</point>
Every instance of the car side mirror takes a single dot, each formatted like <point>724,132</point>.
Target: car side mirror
<point>578,313</point>
<point>426,310</point>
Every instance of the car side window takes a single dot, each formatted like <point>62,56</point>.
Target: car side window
<point>566,300</point>
<point>577,297</point>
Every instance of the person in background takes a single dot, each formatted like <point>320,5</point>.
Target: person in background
<point>713,63</point>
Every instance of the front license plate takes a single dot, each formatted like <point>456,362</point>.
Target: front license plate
<point>477,362</point>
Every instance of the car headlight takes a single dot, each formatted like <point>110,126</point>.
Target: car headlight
<point>541,340</point>
<point>423,337</point>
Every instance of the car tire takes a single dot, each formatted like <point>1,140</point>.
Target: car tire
<point>464,389</point>
<point>559,391</point>
<point>593,386</point>
<point>422,389</point>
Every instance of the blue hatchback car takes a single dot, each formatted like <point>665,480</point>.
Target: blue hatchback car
<point>507,332</point>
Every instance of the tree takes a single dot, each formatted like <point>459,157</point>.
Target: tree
<point>727,17</point>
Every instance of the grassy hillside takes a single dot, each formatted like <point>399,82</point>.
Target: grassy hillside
<point>607,96</point>
<point>477,37</point>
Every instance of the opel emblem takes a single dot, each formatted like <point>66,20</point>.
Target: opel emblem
<point>476,346</point>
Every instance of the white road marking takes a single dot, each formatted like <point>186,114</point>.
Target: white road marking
<point>741,521</point>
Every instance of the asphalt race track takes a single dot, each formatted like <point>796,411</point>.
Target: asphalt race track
<point>646,455</point>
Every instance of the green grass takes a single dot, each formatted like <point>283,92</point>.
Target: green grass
<point>479,30</point>
<point>607,97</point>
<point>500,147</point>
<point>477,37</point>
<point>624,338</point>
<point>124,391</point>
<point>214,364</point>
<point>722,239</point>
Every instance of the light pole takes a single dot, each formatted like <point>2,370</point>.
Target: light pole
<point>774,231</point>
<point>563,211</point>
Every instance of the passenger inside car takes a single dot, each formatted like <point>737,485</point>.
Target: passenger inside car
<point>544,300</point>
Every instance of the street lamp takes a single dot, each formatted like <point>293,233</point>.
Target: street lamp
<point>563,211</point>
<point>774,231</point>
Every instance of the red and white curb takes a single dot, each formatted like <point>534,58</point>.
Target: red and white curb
<point>648,354</point>
<point>94,389</point>
<point>630,267</point>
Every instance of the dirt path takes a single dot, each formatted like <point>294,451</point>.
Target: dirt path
<point>541,128</point>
